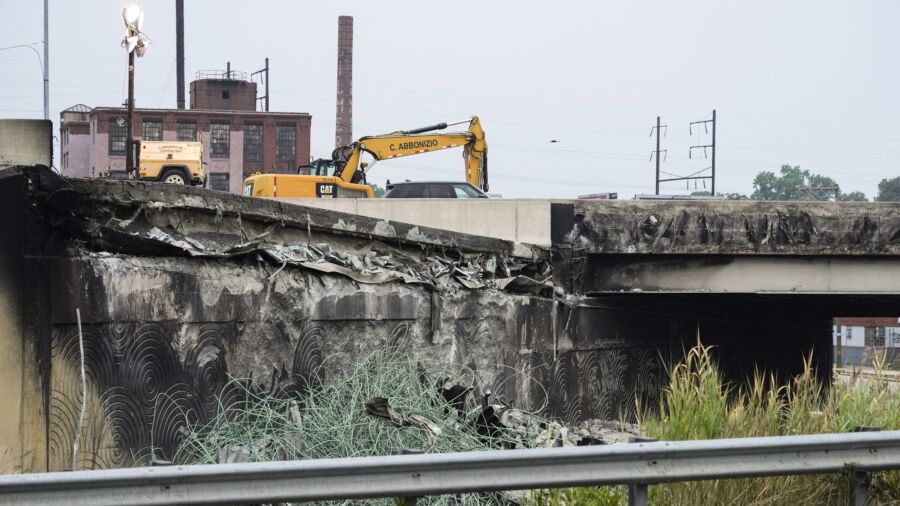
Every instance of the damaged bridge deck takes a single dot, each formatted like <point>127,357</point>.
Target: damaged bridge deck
<point>181,288</point>
<point>728,247</point>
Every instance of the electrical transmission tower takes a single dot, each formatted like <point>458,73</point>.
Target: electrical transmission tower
<point>658,151</point>
<point>701,174</point>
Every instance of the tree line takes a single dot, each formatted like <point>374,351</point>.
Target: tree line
<point>797,184</point>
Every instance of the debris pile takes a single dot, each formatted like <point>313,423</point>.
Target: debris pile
<point>530,430</point>
<point>380,406</point>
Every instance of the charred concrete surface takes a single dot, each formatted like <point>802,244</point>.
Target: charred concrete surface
<point>731,227</point>
<point>727,247</point>
<point>180,288</point>
<point>762,279</point>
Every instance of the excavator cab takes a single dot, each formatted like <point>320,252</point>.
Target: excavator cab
<point>322,167</point>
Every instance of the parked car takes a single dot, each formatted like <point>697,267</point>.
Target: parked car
<point>433,190</point>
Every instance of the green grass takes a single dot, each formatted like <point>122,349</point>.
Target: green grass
<point>698,404</point>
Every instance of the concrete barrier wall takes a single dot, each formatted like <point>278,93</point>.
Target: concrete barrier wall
<point>519,220</point>
<point>22,420</point>
<point>26,142</point>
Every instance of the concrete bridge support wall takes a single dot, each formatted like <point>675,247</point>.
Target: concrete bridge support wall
<point>166,322</point>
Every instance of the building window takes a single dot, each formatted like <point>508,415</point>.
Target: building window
<point>218,181</point>
<point>253,143</point>
<point>219,140</point>
<point>225,94</point>
<point>286,144</point>
<point>117,136</point>
<point>879,337</point>
<point>872,337</point>
<point>186,131</point>
<point>152,130</point>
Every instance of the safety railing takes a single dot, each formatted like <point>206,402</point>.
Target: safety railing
<point>419,475</point>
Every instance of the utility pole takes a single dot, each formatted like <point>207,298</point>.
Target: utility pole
<point>46,62</point>
<point>264,76</point>
<point>658,151</point>
<point>838,341</point>
<point>129,135</point>
<point>713,182</point>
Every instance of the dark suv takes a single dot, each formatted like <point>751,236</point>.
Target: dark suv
<point>433,190</point>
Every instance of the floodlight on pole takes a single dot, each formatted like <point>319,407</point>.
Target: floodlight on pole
<point>134,43</point>
<point>133,17</point>
<point>135,40</point>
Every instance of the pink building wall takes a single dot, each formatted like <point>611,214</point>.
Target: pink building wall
<point>89,151</point>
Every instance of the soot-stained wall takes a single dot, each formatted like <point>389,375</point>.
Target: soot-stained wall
<point>178,291</point>
<point>162,336</point>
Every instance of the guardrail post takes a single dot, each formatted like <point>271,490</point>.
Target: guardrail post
<point>413,500</point>
<point>859,480</point>
<point>638,493</point>
<point>859,488</point>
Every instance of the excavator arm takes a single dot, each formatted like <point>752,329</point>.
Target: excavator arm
<point>413,142</point>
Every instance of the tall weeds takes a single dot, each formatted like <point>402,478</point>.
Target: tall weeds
<point>698,404</point>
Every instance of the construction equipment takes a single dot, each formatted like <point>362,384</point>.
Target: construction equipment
<point>348,171</point>
<point>171,162</point>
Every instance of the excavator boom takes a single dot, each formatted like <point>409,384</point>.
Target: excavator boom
<point>417,141</point>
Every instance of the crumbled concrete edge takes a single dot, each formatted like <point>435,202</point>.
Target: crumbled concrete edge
<point>168,220</point>
<point>290,214</point>
<point>697,227</point>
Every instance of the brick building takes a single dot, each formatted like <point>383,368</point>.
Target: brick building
<point>860,340</point>
<point>236,142</point>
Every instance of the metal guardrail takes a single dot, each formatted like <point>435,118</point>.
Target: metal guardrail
<point>452,473</point>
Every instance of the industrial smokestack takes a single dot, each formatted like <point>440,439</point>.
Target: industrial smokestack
<point>179,49</point>
<point>343,130</point>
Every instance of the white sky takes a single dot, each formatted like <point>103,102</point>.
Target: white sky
<point>812,83</point>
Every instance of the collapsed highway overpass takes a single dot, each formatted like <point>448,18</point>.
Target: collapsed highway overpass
<point>179,288</point>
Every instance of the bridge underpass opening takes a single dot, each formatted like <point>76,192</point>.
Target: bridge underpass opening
<point>749,332</point>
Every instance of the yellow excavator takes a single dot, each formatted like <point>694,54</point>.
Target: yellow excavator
<point>348,171</point>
